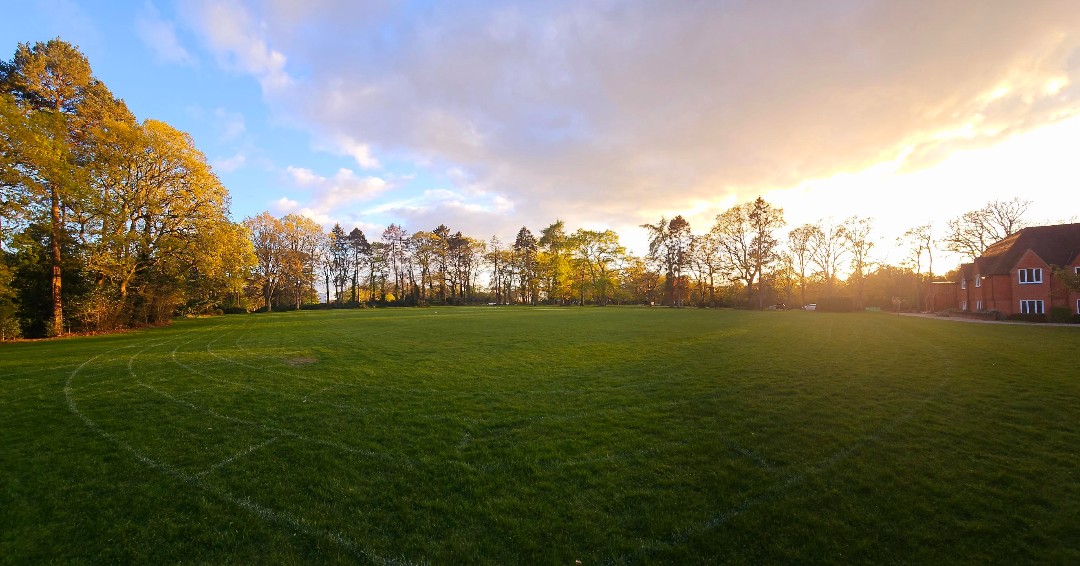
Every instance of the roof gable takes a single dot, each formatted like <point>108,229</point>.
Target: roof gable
<point>1056,245</point>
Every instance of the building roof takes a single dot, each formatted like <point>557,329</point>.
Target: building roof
<point>1056,245</point>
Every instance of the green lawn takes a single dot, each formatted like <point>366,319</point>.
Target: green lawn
<point>544,435</point>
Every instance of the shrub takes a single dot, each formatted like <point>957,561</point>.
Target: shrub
<point>1060,314</point>
<point>234,310</point>
<point>1030,317</point>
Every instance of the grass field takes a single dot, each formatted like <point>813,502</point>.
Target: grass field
<point>537,435</point>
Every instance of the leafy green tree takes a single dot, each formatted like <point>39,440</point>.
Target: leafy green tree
<point>429,257</point>
<point>524,250</point>
<point>745,233</point>
<point>464,257</point>
<point>339,261</point>
<point>155,208</point>
<point>225,261</point>
<point>396,240</point>
<point>268,241</point>
<point>499,259</point>
<point>639,283</point>
<point>31,273</point>
<point>669,247</point>
<point>378,271</point>
<point>554,262</point>
<point>440,248</point>
<point>599,256</point>
<point>706,260</point>
<point>302,239</point>
<point>359,248</point>
<point>52,103</point>
<point>9,302</point>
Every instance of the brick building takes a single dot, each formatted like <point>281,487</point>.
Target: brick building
<point>1016,275</point>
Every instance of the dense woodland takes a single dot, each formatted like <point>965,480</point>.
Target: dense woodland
<point>109,222</point>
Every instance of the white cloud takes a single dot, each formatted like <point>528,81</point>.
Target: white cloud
<point>360,152</point>
<point>331,197</point>
<point>349,146</point>
<point>237,40</point>
<point>160,36</point>
<point>230,164</point>
<point>286,205</point>
<point>613,113</point>
<point>231,124</point>
<point>303,177</point>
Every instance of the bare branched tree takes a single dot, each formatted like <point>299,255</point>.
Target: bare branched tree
<point>974,231</point>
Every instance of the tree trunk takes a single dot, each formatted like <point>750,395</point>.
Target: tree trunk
<point>57,301</point>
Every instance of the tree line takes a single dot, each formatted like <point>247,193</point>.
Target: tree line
<point>742,260</point>
<point>107,222</point>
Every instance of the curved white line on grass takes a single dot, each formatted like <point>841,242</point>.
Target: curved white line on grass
<point>280,431</point>
<point>273,429</point>
<point>197,372</point>
<point>483,466</point>
<point>266,514</point>
<point>226,359</point>
<point>234,457</point>
<point>192,369</point>
<point>559,391</point>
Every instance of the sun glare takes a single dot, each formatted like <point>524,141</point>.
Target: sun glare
<point>1038,165</point>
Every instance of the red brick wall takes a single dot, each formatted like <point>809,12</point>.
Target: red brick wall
<point>1030,291</point>
<point>998,292</point>
<point>1073,297</point>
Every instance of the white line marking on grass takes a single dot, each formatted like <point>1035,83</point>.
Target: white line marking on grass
<point>751,455</point>
<point>268,370</point>
<point>197,372</point>
<point>283,431</point>
<point>86,395</point>
<point>299,398</point>
<point>131,359</point>
<point>266,514</point>
<point>234,457</point>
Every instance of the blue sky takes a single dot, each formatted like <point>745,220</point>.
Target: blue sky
<point>607,114</point>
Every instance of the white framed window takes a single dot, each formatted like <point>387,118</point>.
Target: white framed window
<point>1078,302</point>
<point>963,305</point>
<point>963,283</point>
<point>978,280</point>
<point>978,305</point>
<point>1076,270</point>
<point>1031,307</point>
<point>1030,275</point>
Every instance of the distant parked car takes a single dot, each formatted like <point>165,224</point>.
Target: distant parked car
<point>811,307</point>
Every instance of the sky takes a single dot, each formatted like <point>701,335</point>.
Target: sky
<point>490,116</point>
